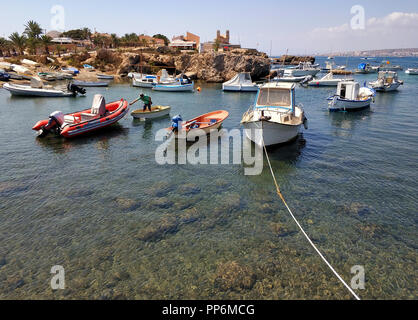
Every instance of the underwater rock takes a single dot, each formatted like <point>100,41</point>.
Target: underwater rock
<point>157,231</point>
<point>121,275</point>
<point>266,207</point>
<point>355,208</point>
<point>232,276</point>
<point>127,204</point>
<point>189,189</point>
<point>281,230</point>
<point>161,203</point>
<point>189,216</point>
<point>371,230</point>
<point>160,189</point>
<point>222,183</point>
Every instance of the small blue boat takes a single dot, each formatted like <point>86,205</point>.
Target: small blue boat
<point>4,76</point>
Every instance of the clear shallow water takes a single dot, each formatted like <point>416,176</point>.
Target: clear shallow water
<point>124,227</point>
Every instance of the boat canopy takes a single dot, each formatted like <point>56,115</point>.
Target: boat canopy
<point>276,95</point>
<point>243,78</point>
<point>362,66</point>
<point>36,82</point>
<point>348,90</point>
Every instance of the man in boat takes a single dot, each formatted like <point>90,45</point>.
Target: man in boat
<point>146,100</point>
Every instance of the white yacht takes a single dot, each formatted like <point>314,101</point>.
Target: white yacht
<point>275,113</point>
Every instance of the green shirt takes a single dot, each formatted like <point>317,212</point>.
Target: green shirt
<point>145,99</point>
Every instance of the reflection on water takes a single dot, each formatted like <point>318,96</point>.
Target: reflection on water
<point>126,228</point>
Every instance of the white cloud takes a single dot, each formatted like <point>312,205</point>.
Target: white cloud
<point>396,30</point>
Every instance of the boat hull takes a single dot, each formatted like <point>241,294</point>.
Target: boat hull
<point>348,105</point>
<point>272,133</point>
<point>174,87</point>
<point>27,91</point>
<point>141,84</point>
<point>240,88</point>
<point>388,88</point>
<point>157,113</point>
<point>90,84</point>
<point>301,73</point>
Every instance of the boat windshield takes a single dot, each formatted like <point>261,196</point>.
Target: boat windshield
<point>274,97</point>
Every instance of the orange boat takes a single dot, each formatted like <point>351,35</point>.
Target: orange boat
<point>206,122</point>
<point>70,125</point>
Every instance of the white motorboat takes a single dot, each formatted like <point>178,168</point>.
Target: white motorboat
<point>303,69</point>
<point>37,89</point>
<point>241,82</point>
<point>30,63</point>
<point>275,118</point>
<point>143,80</point>
<point>327,81</point>
<point>366,68</point>
<point>412,71</point>
<point>386,81</point>
<point>351,97</point>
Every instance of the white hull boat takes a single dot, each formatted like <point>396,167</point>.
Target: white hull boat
<point>412,71</point>
<point>274,119</point>
<point>28,91</point>
<point>105,77</point>
<point>143,81</point>
<point>241,82</point>
<point>387,81</point>
<point>301,72</point>
<point>289,79</point>
<point>350,97</point>
<point>327,81</point>
<point>174,87</point>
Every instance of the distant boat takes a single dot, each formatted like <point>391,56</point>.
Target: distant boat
<point>303,69</point>
<point>105,77</point>
<point>412,71</point>
<point>291,79</point>
<point>143,80</point>
<point>240,82</point>
<point>71,70</point>
<point>30,63</point>
<point>275,113</point>
<point>91,84</point>
<point>350,97</point>
<point>174,87</point>
<point>386,81</point>
<point>365,68</point>
<point>387,66</point>
<point>327,80</point>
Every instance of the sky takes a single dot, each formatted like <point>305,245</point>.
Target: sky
<point>272,26</point>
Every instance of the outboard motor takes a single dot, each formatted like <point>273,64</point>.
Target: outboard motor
<point>75,89</point>
<point>176,122</point>
<point>56,119</point>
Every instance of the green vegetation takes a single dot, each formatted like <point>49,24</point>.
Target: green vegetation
<point>163,37</point>
<point>18,42</point>
<point>78,34</point>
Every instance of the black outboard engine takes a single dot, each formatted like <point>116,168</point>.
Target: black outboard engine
<point>56,119</point>
<point>75,89</point>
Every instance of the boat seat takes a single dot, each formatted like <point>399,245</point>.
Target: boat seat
<point>88,116</point>
<point>69,119</point>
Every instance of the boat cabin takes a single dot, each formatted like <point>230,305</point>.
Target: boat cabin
<point>388,77</point>
<point>348,90</point>
<point>276,95</point>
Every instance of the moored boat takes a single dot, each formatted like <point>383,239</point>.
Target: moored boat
<point>275,118</point>
<point>178,86</point>
<point>303,69</point>
<point>37,89</point>
<point>156,112</point>
<point>350,97</point>
<point>240,82</point>
<point>386,81</point>
<point>90,83</point>
<point>4,76</point>
<point>70,125</point>
<point>143,80</point>
<point>105,77</point>
<point>327,80</point>
<point>202,124</point>
<point>412,71</point>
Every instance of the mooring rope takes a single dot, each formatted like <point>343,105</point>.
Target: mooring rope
<point>300,227</point>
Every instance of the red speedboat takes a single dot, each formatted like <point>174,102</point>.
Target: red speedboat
<point>75,124</point>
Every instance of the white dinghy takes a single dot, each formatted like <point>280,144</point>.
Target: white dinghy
<point>275,118</point>
<point>386,81</point>
<point>412,71</point>
<point>241,82</point>
<point>350,97</point>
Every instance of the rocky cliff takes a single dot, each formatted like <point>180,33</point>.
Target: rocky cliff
<point>210,67</point>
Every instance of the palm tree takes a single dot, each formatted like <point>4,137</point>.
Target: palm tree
<point>33,44</point>
<point>115,40</point>
<point>46,41</point>
<point>32,29</point>
<point>18,41</point>
<point>3,46</point>
<point>59,48</point>
<point>86,33</point>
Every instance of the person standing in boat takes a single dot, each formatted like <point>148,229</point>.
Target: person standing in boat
<point>146,100</point>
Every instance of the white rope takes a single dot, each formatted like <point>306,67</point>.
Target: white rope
<point>301,229</point>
